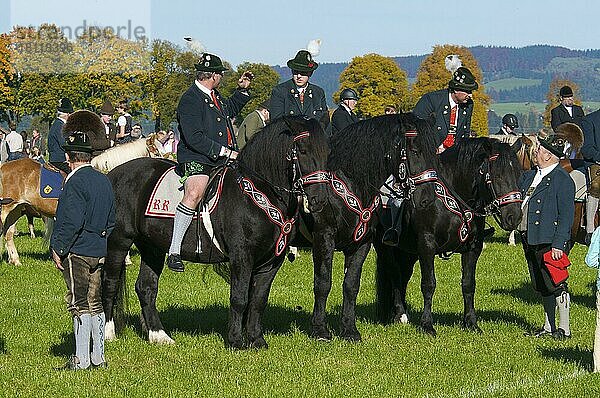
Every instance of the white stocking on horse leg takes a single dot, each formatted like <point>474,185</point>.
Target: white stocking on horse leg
<point>159,337</point>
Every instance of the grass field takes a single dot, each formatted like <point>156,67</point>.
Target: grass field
<point>391,361</point>
<point>512,83</point>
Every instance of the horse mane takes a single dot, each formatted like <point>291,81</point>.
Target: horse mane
<point>469,154</point>
<point>367,151</point>
<point>266,152</point>
<point>120,154</point>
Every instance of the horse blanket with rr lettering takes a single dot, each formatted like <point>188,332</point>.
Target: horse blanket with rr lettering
<point>168,192</point>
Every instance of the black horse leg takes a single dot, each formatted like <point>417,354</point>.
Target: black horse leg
<point>427,289</point>
<point>323,262</point>
<point>113,271</point>
<point>353,268</point>
<point>469,263</point>
<point>146,287</point>
<point>260,287</point>
<point>406,266</point>
<point>239,289</point>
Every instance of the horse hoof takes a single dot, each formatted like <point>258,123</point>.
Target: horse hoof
<point>237,345</point>
<point>429,329</point>
<point>159,337</point>
<point>109,331</point>
<point>259,344</point>
<point>321,334</point>
<point>473,328</point>
<point>353,335</point>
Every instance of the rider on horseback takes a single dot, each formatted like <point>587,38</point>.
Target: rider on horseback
<point>207,140</point>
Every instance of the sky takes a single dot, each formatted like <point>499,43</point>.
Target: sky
<point>271,32</point>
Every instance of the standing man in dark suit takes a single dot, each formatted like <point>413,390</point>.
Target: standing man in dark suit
<point>548,212</point>
<point>453,108</point>
<point>56,153</point>
<point>344,115</point>
<point>85,216</point>
<point>567,111</point>
<point>106,114</point>
<point>297,96</point>
<point>206,141</point>
<point>590,150</point>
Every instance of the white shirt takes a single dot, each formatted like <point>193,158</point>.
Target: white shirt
<point>122,121</point>
<point>570,110</point>
<point>75,170</point>
<point>14,141</point>
<point>539,176</point>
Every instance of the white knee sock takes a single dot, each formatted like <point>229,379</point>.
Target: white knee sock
<point>591,206</point>
<point>563,302</point>
<point>81,327</point>
<point>183,219</point>
<point>98,322</point>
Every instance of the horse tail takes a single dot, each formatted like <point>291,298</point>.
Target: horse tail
<point>121,303</point>
<point>383,285</point>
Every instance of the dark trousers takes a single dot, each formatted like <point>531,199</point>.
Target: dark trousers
<point>83,276</point>
<point>540,277</point>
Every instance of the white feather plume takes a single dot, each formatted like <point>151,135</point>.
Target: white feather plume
<point>194,45</point>
<point>314,47</point>
<point>452,62</point>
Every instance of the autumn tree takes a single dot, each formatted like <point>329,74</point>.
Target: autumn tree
<point>265,78</point>
<point>378,81</point>
<point>432,75</point>
<point>553,97</point>
<point>7,77</point>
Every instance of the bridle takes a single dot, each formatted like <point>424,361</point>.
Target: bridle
<point>407,182</point>
<point>493,208</point>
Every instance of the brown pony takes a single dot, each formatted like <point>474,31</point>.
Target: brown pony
<point>20,187</point>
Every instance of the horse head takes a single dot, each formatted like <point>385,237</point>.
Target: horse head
<point>288,151</point>
<point>308,156</point>
<point>500,170</point>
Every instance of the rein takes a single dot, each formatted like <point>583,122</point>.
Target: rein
<point>275,214</point>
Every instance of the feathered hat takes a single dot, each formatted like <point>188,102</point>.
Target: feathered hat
<point>90,124</point>
<point>303,61</point>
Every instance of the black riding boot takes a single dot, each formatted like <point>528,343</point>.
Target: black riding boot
<point>391,236</point>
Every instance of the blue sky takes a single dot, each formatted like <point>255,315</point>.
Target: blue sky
<point>271,32</point>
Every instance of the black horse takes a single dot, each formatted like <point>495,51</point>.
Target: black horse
<point>363,156</point>
<point>477,177</point>
<point>252,223</point>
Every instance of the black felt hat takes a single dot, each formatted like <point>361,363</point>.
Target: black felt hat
<point>566,91</point>
<point>463,80</point>
<point>65,106</point>
<point>302,62</point>
<point>107,108</point>
<point>210,63</point>
<point>554,144</point>
<point>78,142</point>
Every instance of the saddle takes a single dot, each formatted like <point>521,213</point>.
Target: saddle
<point>51,181</point>
<point>168,192</point>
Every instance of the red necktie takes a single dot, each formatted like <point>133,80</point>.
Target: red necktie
<point>302,97</point>
<point>229,138</point>
<point>449,141</point>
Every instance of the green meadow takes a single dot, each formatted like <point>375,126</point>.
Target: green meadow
<point>391,361</point>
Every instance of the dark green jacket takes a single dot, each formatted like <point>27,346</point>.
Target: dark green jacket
<point>285,100</point>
